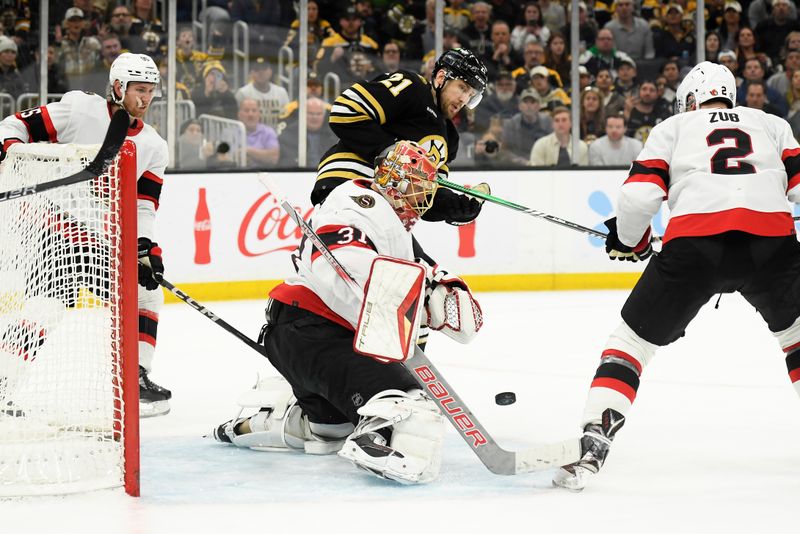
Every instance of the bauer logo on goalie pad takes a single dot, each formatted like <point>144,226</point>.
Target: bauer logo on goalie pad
<point>390,314</point>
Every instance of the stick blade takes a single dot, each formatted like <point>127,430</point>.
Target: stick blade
<point>115,136</point>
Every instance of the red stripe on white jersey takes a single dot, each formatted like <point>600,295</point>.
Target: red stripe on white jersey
<point>791,348</point>
<point>775,224</point>
<point>648,178</point>
<point>148,198</point>
<point>654,164</point>
<point>149,314</point>
<point>144,338</point>
<point>48,125</point>
<point>794,376</point>
<point>617,385</point>
<point>790,152</point>
<point>303,297</point>
<point>150,176</point>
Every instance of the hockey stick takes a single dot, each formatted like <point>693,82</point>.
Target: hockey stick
<point>498,460</point>
<point>517,207</point>
<point>211,316</point>
<point>115,136</point>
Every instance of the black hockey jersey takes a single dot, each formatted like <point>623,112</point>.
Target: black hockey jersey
<point>369,116</point>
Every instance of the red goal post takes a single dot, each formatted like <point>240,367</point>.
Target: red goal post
<point>69,397</point>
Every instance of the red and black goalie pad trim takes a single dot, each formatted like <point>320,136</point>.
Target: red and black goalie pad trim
<point>616,376</point>
<point>336,236</point>
<point>793,365</point>
<point>148,327</point>
<point>791,162</point>
<point>39,125</point>
<point>655,171</point>
<point>148,187</point>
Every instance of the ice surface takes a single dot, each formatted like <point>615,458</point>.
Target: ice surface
<point>711,444</point>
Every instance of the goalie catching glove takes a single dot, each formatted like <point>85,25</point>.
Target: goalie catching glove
<point>617,250</point>
<point>451,307</point>
<point>151,268</point>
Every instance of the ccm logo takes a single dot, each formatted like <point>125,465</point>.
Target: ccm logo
<point>449,405</point>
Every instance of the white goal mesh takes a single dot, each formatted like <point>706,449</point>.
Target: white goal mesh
<point>62,319</point>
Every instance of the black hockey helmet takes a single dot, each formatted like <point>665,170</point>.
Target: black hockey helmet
<point>462,64</point>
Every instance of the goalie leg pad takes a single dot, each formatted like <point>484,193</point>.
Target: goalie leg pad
<point>616,381</point>
<point>413,453</point>
<point>454,311</point>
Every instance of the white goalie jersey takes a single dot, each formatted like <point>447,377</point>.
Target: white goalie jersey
<point>719,170</point>
<point>357,224</point>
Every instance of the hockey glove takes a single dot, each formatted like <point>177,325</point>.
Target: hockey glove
<point>151,268</point>
<point>617,250</point>
<point>451,308</point>
<point>454,208</point>
<point>5,146</point>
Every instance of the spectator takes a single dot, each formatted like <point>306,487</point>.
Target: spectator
<point>456,16</point>
<point>632,34</point>
<point>747,48</point>
<point>675,38</point>
<point>502,103</point>
<point>221,158</point>
<point>554,15</point>
<point>193,150</point>
<point>390,57</point>
<point>531,28</point>
<point>672,77</point>
<point>319,136</point>
<point>533,56</point>
<point>503,56</point>
<point>713,46</point>
<point>556,59</point>
<point>190,61</point>
<point>56,80</point>
<point>642,113</point>
<point>731,24</point>
<point>555,150</point>
<point>370,20</point>
<point>756,98</point>
<point>333,53</point>
<point>181,91</point>
<point>591,117</point>
<point>522,130</point>
<point>793,95</point>
<point>792,41</point>
<point>318,30</point>
<point>625,84</point>
<point>781,82</point>
<point>587,28</point>
<point>271,98</point>
<point>754,72</point>
<point>11,79</point>
<point>505,10</point>
<point>603,54</point>
<point>614,148</point>
<point>256,12</point>
<point>96,81</point>
<point>549,97</point>
<point>145,20</point>
<point>759,11</point>
<point>584,78</point>
<point>771,33</point>
<point>214,97</point>
<point>359,67</point>
<point>262,141</point>
<point>478,33</point>
<point>121,24</point>
<point>422,38</point>
<point>613,102</point>
<point>78,52</point>
<point>715,11</point>
<point>728,58</point>
<point>490,152</point>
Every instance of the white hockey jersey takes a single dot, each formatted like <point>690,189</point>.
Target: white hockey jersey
<point>719,170</point>
<point>83,118</point>
<point>357,224</point>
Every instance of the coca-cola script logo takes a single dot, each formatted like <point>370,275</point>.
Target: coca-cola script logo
<point>265,225</point>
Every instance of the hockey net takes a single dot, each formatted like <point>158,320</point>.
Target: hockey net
<point>68,324</point>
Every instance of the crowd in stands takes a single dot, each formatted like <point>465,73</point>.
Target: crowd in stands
<point>633,54</point>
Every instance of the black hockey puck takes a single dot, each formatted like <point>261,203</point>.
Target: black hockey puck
<point>505,398</point>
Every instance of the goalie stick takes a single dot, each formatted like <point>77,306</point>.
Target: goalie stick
<point>496,459</point>
<point>115,136</point>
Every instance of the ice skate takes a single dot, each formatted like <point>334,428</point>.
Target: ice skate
<point>153,399</point>
<point>595,444</point>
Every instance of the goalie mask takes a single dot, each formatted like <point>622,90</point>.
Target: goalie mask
<point>706,82</point>
<point>406,177</point>
<point>133,68</point>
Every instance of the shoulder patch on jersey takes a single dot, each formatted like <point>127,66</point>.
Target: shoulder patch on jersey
<point>364,201</point>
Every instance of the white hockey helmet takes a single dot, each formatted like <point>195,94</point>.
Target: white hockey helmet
<point>133,68</point>
<point>705,82</point>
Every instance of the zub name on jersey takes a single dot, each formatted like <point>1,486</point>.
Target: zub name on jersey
<point>719,116</point>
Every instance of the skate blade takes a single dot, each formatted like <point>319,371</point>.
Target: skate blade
<point>153,409</point>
